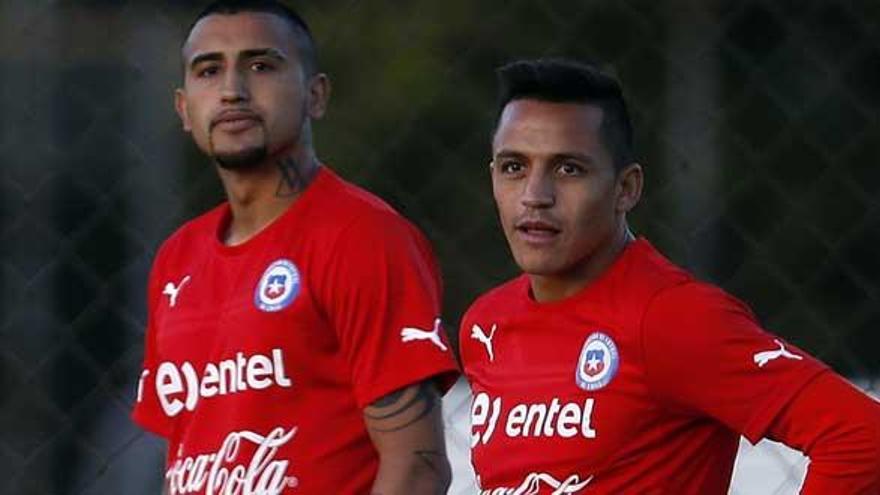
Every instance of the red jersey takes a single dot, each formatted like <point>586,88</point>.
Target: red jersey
<point>640,383</point>
<point>260,357</point>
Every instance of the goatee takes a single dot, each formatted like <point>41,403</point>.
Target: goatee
<point>242,160</point>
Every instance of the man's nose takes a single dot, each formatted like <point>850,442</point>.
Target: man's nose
<point>235,87</point>
<point>539,192</point>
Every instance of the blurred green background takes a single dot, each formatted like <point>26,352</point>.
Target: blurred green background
<point>757,122</point>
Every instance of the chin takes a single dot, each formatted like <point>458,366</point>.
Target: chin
<point>243,159</point>
<point>538,265</point>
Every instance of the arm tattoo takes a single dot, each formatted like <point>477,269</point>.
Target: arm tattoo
<point>434,460</point>
<point>389,399</point>
<point>402,408</point>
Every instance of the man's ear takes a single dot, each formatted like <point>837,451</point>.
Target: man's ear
<point>318,95</point>
<point>182,110</point>
<point>630,181</point>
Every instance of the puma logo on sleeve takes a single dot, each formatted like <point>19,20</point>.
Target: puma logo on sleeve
<point>410,334</point>
<point>764,357</point>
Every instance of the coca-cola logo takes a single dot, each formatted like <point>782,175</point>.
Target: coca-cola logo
<point>535,483</point>
<point>224,473</point>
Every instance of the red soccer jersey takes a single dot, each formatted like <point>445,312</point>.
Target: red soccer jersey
<point>641,383</point>
<point>260,357</point>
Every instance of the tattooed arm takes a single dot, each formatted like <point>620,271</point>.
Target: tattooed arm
<point>406,427</point>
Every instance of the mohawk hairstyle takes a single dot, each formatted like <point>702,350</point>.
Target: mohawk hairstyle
<point>305,41</point>
<point>562,80</point>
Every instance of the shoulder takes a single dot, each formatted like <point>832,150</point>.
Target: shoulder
<point>669,305</point>
<point>695,300</point>
<point>350,211</point>
<point>647,271</point>
<point>504,295</point>
<point>699,317</point>
<point>193,236</point>
<point>358,240</point>
<point>352,201</point>
<point>176,251</point>
<point>479,322</point>
<point>629,288</point>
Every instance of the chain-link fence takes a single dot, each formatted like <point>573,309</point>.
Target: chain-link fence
<point>757,122</point>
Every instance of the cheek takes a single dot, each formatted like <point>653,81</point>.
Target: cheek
<point>505,202</point>
<point>590,213</point>
<point>200,124</point>
<point>197,116</point>
<point>286,103</point>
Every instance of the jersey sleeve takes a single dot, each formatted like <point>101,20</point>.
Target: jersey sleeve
<point>147,411</point>
<point>838,427</point>
<point>706,355</point>
<point>382,295</point>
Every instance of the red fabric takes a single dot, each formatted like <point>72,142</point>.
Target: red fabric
<point>684,383</point>
<point>698,328</point>
<point>844,449</point>
<point>258,373</point>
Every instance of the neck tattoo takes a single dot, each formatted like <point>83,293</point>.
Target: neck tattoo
<point>294,178</point>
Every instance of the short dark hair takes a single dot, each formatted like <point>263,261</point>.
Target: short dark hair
<point>563,80</point>
<point>305,41</point>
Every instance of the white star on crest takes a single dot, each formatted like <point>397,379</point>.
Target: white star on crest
<point>275,287</point>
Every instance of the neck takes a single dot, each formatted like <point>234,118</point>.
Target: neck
<point>555,287</point>
<point>259,195</point>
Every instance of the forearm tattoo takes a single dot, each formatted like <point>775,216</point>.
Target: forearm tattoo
<point>402,408</point>
<point>435,461</point>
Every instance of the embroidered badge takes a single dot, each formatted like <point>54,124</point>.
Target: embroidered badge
<point>598,362</point>
<point>278,287</point>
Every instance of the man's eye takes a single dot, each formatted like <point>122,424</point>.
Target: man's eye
<point>511,167</point>
<point>261,67</point>
<point>209,71</point>
<point>570,168</point>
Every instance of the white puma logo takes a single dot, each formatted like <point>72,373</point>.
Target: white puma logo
<point>409,334</point>
<point>477,333</point>
<point>171,291</point>
<point>764,357</point>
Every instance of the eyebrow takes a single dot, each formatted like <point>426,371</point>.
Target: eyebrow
<point>245,54</point>
<point>588,159</point>
<point>508,154</point>
<point>205,57</point>
<point>555,157</point>
<point>264,52</point>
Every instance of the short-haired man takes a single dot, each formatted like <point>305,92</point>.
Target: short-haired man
<point>294,343</point>
<point>606,369</point>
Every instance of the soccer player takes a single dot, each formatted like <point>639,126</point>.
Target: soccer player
<point>294,343</point>
<point>606,369</point>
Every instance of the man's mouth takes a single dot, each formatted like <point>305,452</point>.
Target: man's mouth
<point>537,231</point>
<point>235,121</point>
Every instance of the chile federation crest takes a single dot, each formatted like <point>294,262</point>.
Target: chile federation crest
<point>598,362</point>
<point>278,287</point>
